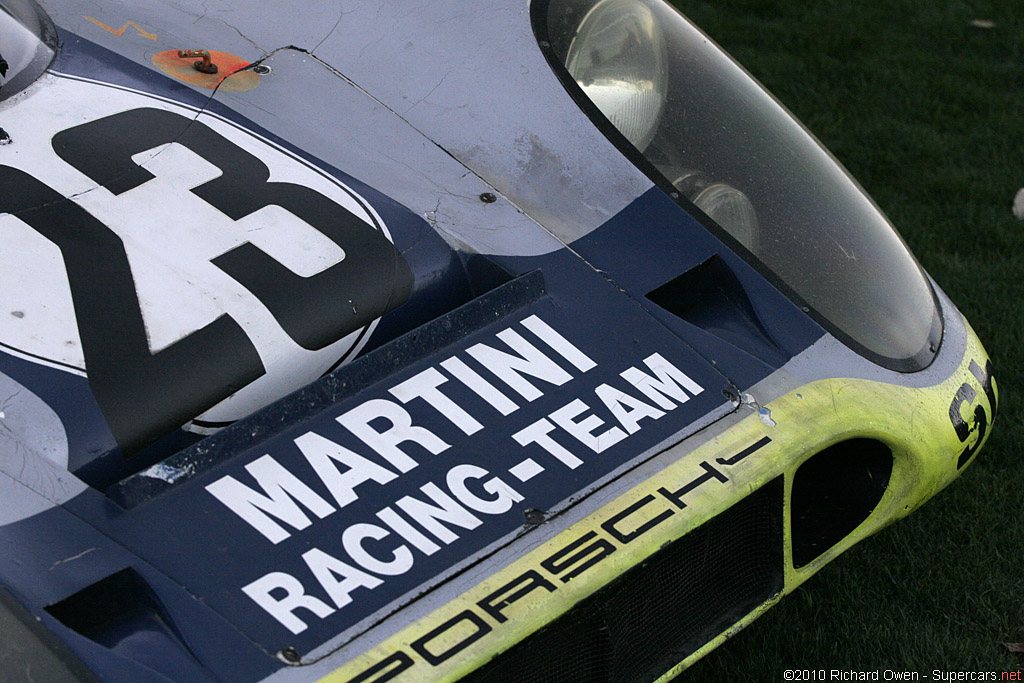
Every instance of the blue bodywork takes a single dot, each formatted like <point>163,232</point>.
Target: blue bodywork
<point>148,531</point>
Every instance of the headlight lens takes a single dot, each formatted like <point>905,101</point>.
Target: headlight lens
<point>618,58</point>
<point>729,147</point>
<point>724,204</point>
<point>27,44</point>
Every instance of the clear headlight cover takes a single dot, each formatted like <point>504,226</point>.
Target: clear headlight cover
<point>618,58</point>
<point>730,149</point>
<point>28,43</point>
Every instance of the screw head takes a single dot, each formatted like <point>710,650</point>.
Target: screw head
<point>488,198</point>
<point>261,69</point>
<point>290,655</point>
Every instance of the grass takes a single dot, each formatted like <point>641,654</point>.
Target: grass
<point>927,112</point>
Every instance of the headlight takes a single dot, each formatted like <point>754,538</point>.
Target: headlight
<point>618,58</point>
<point>724,204</point>
<point>709,133</point>
<point>27,42</point>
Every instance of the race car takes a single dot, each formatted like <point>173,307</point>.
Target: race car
<point>464,341</point>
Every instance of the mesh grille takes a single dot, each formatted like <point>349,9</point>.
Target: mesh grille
<point>659,612</point>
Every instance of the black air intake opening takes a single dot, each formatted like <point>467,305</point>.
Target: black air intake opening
<point>833,492</point>
<point>123,614</point>
<point>711,297</point>
<point>656,614</point>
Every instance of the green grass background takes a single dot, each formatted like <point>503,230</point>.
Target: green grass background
<point>927,112</point>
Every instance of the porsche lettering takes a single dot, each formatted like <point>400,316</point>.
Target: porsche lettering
<point>515,597</point>
<point>376,343</point>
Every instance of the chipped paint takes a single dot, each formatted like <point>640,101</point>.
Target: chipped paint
<point>763,413</point>
<point>166,472</point>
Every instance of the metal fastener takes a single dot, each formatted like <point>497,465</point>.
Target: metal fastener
<point>205,65</point>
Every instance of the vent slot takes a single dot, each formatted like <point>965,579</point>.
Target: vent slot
<point>709,296</point>
<point>652,617</point>
<point>834,491</point>
<point>123,614</point>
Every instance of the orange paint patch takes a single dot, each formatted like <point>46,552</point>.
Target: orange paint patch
<point>229,76</point>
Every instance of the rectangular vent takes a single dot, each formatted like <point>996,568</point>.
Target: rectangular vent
<point>711,297</point>
<point>659,612</point>
<point>123,614</point>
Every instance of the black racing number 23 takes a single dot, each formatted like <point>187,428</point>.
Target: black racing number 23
<point>145,395</point>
